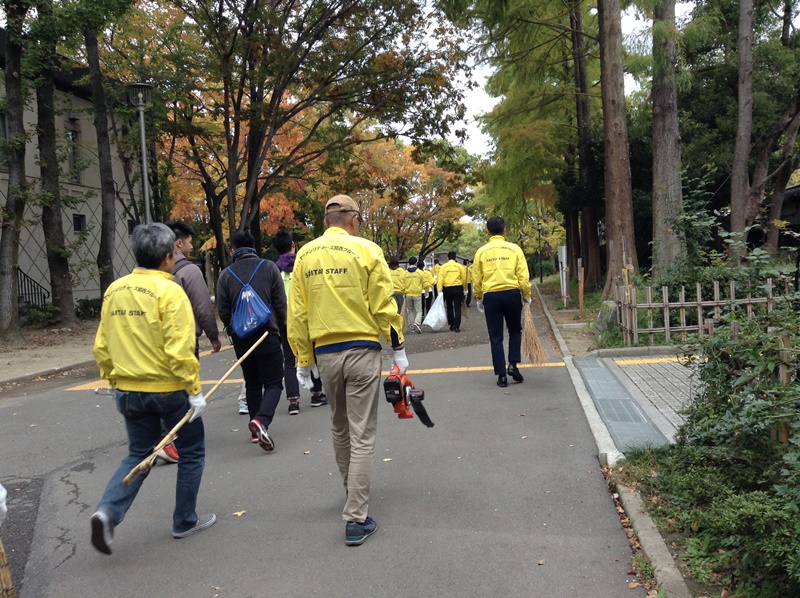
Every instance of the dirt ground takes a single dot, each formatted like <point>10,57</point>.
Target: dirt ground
<point>577,330</point>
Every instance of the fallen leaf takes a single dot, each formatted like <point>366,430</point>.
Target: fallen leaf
<point>216,588</point>
<point>306,452</point>
<point>522,415</point>
<point>542,562</point>
<point>239,513</point>
<point>524,437</point>
<point>634,584</point>
<point>388,459</point>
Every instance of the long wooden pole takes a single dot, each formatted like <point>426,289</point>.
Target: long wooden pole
<point>147,463</point>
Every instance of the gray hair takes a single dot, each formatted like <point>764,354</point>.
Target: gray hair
<point>152,243</point>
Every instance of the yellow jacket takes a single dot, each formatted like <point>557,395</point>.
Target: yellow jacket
<point>341,292</point>
<point>399,280</point>
<point>452,274</point>
<point>469,274</point>
<point>428,282</point>
<point>146,337</point>
<point>436,268</point>
<point>500,266</point>
<point>415,282</point>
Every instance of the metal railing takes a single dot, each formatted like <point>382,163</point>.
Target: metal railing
<point>30,292</point>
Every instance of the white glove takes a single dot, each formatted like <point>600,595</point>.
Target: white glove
<point>465,294</point>
<point>304,375</point>
<point>3,508</point>
<point>400,360</point>
<point>528,300</point>
<point>425,294</point>
<point>479,303</point>
<point>198,403</point>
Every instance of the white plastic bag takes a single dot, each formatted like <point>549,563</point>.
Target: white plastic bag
<point>437,316</point>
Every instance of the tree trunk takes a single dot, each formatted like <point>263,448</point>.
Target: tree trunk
<point>17,184</point>
<point>740,186</point>
<point>590,242</point>
<point>592,268</point>
<point>52,213</point>
<point>573,242</point>
<point>667,191</point>
<point>108,231</point>
<point>790,162</point>
<point>621,249</point>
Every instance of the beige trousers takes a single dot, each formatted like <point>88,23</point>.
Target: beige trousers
<point>352,382</point>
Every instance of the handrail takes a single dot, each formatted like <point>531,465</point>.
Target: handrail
<point>31,292</point>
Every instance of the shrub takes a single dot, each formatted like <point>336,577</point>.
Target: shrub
<point>87,309</point>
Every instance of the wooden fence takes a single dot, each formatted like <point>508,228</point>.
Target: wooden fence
<point>639,318</point>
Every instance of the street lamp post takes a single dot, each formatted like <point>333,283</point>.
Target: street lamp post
<point>139,96</point>
<point>541,272</point>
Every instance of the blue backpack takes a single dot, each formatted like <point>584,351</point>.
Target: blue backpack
<point>250,312</point>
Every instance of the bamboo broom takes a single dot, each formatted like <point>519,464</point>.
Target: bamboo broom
<point>147,463</point>
<point>532,350</point>
<point>6,586</point>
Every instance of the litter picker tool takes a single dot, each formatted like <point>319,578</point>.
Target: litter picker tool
<point>532,350</point>
<point>147,463</point>
<point>6,586</point>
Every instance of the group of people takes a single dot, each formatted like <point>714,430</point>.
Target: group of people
<point>416,288</point>
<point>330,303</point>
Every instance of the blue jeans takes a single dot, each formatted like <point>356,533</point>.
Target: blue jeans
<point>500,307</point>
<point>143,412</point>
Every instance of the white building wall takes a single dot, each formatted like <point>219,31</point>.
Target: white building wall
<point>81,198</point>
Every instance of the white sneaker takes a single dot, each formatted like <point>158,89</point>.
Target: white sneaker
<point>243,408</point>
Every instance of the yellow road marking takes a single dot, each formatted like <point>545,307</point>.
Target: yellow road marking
<point>649,360</point>
<point>482,368</point>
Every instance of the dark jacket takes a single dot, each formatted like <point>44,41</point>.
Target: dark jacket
<point>267,284</point>
<point>188,275</point>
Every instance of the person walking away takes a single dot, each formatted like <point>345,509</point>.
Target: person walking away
<point>427,289</point>
<point>398,282</point>
<point>263,369</point>
<point>190,277</point>
<point>415,284</point>
<point>284,245</point>
<point>501,283</point>
<point>453,283</point>
<point>435,271</point>
<point>340,305</point>
<point>468,300</point>
<point>145,348</point>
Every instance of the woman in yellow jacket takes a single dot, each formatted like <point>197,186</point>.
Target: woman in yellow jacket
<point>501,283</point>
<point>415,285</point>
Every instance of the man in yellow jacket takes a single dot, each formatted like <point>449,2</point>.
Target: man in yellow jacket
<point>415,287</point>
<point>453,283</point>
<point>145,348</point>
<point>501,283</point>
<point>340,304</point>
<point>398,282</point>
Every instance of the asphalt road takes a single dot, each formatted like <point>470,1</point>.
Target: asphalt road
<point>504,496</point>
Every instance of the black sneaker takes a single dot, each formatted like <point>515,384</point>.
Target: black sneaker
<point>513,371</point>
<point>203,522</point>
<point>319,400</point>
<point>294,407</point>
<point>502,381</point>
<point>102,531</point>
<point>355,534</point>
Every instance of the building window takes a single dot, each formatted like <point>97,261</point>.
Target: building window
<point>78,223</point>
<point>73,151</point>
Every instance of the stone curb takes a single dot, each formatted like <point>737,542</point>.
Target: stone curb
<point>607,451</point>
<point>668,576</point>
<point>47,372</point>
